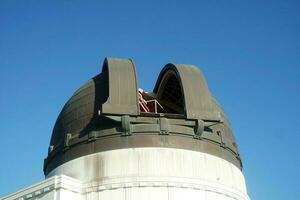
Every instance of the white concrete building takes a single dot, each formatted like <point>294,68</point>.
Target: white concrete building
<point>112,141</point>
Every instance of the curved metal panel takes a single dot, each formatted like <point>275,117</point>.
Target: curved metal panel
<point>196,95</point>
<point>122,83</point>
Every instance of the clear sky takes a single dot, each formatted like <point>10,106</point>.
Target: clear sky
<point>249,52</point>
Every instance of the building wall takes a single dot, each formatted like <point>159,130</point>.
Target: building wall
<point>142,174</point>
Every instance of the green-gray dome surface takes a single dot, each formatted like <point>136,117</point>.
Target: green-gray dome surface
<point>105,114</point>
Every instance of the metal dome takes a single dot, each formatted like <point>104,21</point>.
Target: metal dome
<point>106,113</point>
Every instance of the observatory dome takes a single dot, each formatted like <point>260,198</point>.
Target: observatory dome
<point>110,112</point>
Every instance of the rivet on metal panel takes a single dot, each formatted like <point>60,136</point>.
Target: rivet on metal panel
<point>223,145</point>
<point>164,126</point>
<point>67,139</point>
<point>199,128</point>
<point>51,147</point>
<point>126,125</point>
<point>92,136</point>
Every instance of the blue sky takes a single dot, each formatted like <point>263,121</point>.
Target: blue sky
<point>248,50</point>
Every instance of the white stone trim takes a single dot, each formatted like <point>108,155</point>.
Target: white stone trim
<point>48,185</point>
<point>168,182</point>
<point>62,182</point>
